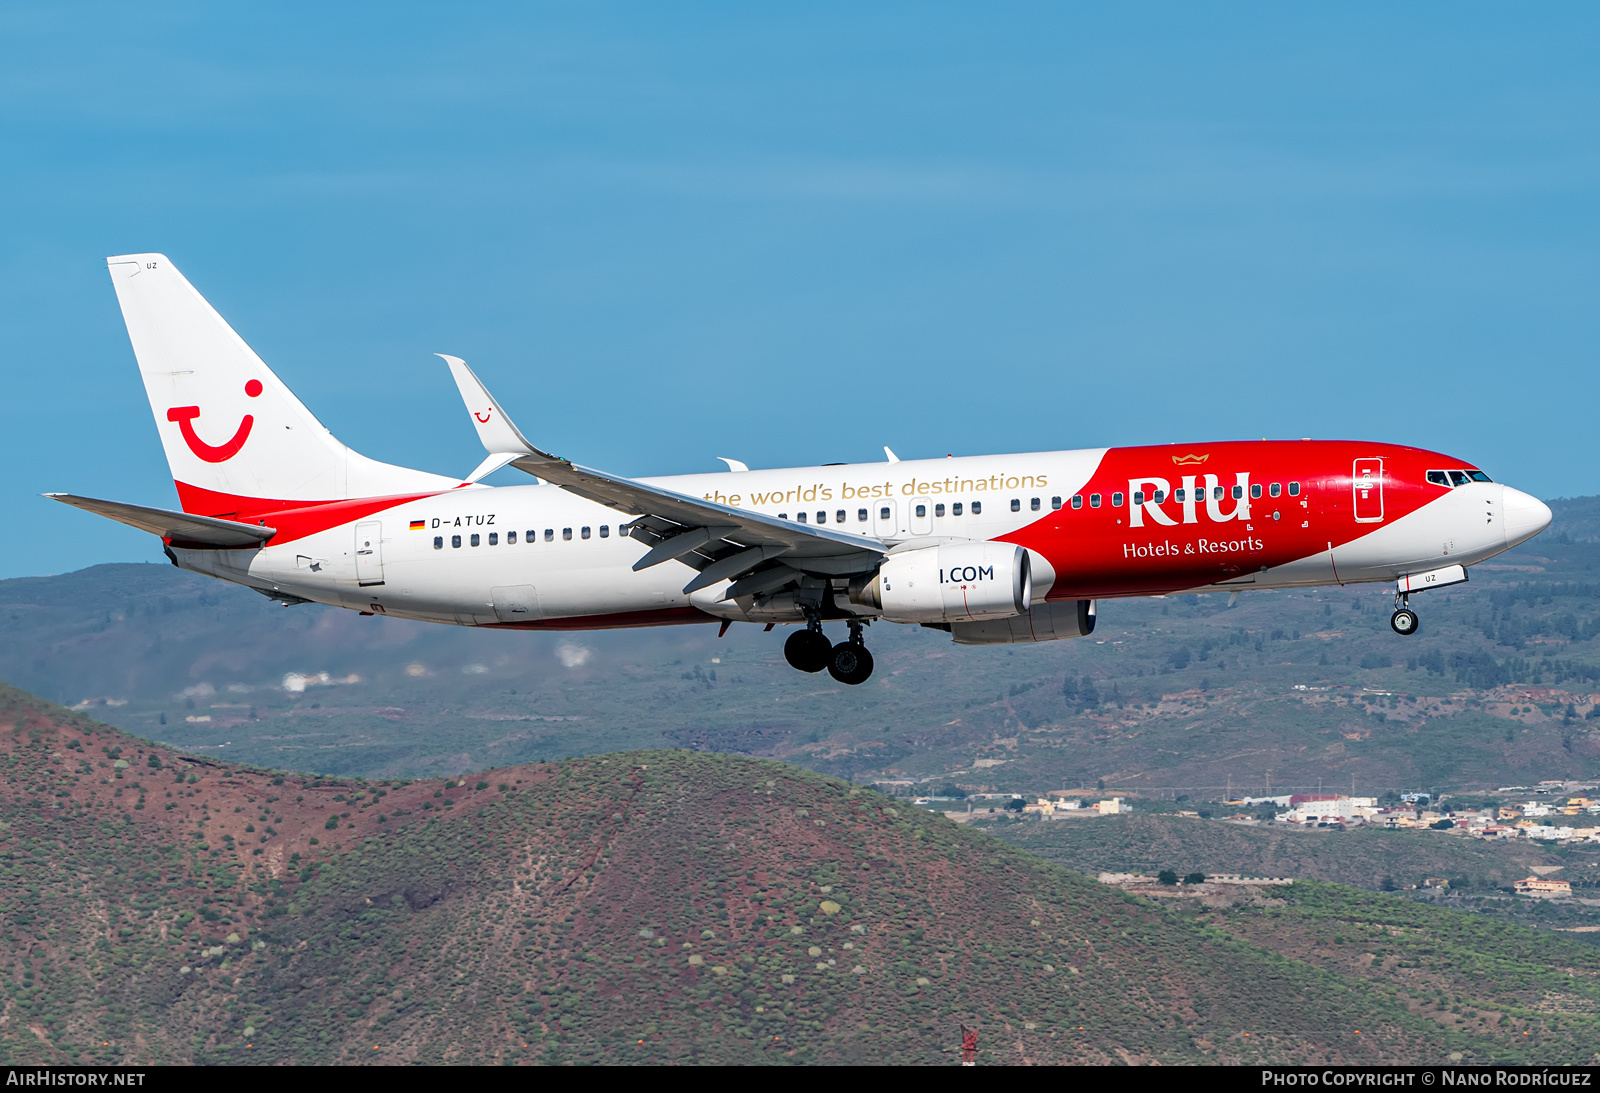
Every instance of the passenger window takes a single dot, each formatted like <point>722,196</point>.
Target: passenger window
<point>1216,492</point>
<point>838,517</point>
<point>1116,500</point>
<point>1294,489</point>
<point>822,518</point>
<point>1180,496</point>
<point>922,510</point>
<point>1160,496</point>
<point>530,536</point>
<point>1077,500</point>
<point>1094,500</point>
<point>511,537</point>
<point>1479,476</point>
<point>1255,491</point>
<point>1016,504</point>
<point>1055,502</point>
<point>977,507</point>
<point>938,510</point>
<point>1459,478</point>
<point>883,513</point>
<point>1439,478</point>
<point>800,516</point>
<point>549,535</point>
<point>1238,493</point>
<point>1138,497</point>
<point>783,516</point>
<point>605,531</point>
<point>566,533</point>
<point>584,532</point>
<point>455,540</point>
<point>1034,504</point>
<point>438,542</point>
<point>955,509</point>
<point>861,515</point>
<point>475,539</point>
<point>494,538</point>
<point>1275,489</point>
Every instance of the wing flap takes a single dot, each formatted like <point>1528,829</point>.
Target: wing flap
<point>178,528</point>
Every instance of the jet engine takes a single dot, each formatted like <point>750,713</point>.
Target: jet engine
<point>956,582</point>
<point>1046,622</point>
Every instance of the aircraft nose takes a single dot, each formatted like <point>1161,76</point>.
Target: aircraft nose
<point>1525,516</point>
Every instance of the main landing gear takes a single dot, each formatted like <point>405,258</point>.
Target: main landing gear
<point>810,651</point>
<point>1404,621</point>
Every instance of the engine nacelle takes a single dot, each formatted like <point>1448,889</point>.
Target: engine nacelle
<point>957,582</point>
<point>1046,622</point>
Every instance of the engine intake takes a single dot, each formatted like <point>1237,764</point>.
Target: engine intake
<point>956,582</point>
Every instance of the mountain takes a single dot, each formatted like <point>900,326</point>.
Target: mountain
<point>653,907</point>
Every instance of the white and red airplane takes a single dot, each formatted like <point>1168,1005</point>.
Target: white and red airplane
<point>993,549</point>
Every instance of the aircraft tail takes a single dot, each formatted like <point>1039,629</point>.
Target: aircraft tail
<point>236,438</point>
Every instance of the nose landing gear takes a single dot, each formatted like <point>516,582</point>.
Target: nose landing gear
<point>810,651</point>
<point>1404,621</point>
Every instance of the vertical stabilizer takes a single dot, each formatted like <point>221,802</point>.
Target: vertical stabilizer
<point>230,427</point>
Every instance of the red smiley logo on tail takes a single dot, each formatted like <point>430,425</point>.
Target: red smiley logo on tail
<point>185,415</point>
<point>483,418</point>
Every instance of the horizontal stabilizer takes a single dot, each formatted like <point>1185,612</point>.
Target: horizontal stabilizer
<point>179,528</point>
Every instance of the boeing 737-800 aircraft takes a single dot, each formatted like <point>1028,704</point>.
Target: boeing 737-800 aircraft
<point>992,549</point>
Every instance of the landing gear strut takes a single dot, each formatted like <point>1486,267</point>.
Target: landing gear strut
<point>809,650</point>
<point>850,662</point>
<point>1404,621</point>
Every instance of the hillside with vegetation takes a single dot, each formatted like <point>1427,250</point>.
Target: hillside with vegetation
<point>1364,857</point>
<point>641,907</point>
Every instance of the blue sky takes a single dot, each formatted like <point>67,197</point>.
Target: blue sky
<point>792,234</point>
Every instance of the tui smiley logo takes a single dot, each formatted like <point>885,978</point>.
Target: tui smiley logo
<point>185,415</point>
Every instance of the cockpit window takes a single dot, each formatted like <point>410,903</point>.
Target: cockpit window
<point>1459,478</point>
<point>1479,476</point>
<point>1438,478</point>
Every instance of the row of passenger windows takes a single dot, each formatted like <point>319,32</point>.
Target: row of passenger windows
<point>885,512</point>
<point>1457,478</point>
<point>1181,496</point>
<point>529,536</point>
<point>957,508</point>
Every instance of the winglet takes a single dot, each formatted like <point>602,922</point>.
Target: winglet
<point>734,464</point>
<point>892,457</point>
<point>495,429</point>
<point>500,436</point>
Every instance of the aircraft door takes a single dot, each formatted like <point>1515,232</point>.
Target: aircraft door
<point>885,518</point>
<point>921,516</point>
<point>369,553</point>
<point>1367,487</point>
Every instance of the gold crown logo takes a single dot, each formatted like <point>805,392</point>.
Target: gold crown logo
<point>1190,460</point>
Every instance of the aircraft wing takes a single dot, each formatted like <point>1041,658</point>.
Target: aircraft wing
<point>179,528</point>
<point>759,553</point>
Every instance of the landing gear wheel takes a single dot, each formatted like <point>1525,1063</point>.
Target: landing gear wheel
<point>850,663</point>
<point>808,650</point>
<point>1404,622</point>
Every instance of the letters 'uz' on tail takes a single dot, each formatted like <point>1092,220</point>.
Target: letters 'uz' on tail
<point>230,427</point>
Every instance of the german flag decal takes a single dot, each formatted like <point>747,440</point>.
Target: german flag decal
<point>418,525</point>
